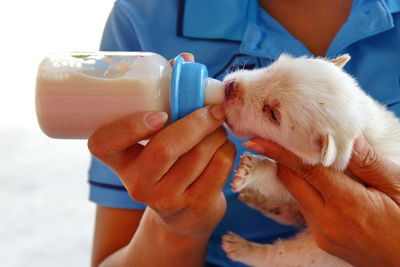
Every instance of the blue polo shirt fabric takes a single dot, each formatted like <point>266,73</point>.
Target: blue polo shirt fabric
<point>234,34</point>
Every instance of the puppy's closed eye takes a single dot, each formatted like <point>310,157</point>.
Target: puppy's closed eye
<point>272,113</point>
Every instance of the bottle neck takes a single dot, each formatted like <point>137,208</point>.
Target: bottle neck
<point>191,88</point>
<point>213,91</point>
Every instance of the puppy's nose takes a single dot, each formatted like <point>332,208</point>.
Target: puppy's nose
<point>230,90</point>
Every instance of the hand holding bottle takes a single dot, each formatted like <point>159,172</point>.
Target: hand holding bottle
<point>179,173</point>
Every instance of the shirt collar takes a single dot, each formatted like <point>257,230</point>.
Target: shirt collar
<point>261,35</point>
<point>393,5</point>
<point>366,19</point>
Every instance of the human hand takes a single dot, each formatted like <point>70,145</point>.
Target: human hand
<point>180,173</point>
<point>186,56</point>
<point>359,223</point>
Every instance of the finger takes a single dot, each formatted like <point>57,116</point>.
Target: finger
<point>186,56</point>
<point>190,165</point>
<point>380,173</point>
<point>274,151</point>
<point>111,139</point>
<point>307,196</point>
<point>214,177</point>
<point>184,171</point>
<point>172,142</point>
<point>328,181</point>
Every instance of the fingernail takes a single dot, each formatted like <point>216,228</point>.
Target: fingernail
<point>155,120</point>
<point>217,112</point>
<point>253,146</point>
<point>188,56</point>
<point>359,144</point>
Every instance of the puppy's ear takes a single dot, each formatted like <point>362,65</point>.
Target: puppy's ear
<point>335,152</point>
<point>340,61</point>
<point>328,150</point>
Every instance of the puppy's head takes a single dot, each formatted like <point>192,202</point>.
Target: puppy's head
<point>308,105</point>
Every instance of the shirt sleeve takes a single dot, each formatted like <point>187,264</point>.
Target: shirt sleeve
<point>106,188</point>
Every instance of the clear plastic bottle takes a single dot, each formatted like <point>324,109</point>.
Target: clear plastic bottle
<point>76,93</point>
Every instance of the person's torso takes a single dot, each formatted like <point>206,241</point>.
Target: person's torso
<point>226,35</point>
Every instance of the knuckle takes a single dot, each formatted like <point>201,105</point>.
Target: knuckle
<point>162,151</point>
<point>202,120</point>
<point>96,148</point>
<point>212,144</point>
<point>136,193</point>
<point>307,171</point>
<point>137,189</point>
<point>225,157</point>
<point>199,151</point>
<point>200,115</point>
<point>369,158</point>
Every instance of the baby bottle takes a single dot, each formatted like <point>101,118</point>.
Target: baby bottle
<point>76,93</point>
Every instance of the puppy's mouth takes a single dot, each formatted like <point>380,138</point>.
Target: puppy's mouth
<point>233,101</point>
<point>230,90</point>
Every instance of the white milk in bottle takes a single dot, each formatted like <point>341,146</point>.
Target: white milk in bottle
<point>76,93</point>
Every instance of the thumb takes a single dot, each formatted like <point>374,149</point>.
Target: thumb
<point>186,56</point>
<point>380,173</point>
<point>111,139</point>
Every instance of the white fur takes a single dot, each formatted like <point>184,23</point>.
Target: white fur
<point>317,99</point>
<point>321,111</point>
<point>299,252</point>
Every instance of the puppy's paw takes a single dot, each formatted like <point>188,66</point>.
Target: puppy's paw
<point>235,247</point>
<point>244,172</point>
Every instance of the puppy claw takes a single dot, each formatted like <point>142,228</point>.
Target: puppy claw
<point>242,173</point>
<point>237,183</point>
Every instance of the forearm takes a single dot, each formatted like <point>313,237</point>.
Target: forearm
<point>154,245</point>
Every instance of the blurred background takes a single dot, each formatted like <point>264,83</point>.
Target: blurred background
<point>45,216</point>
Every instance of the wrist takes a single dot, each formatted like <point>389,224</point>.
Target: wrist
<point>154,244</point>
<point>166,232</point>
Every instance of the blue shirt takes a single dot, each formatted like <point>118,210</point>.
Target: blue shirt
<point>229,34</point>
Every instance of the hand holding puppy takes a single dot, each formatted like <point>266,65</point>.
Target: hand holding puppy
<point>359,223</point>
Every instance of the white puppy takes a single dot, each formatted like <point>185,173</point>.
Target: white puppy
<point>314,109</point>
